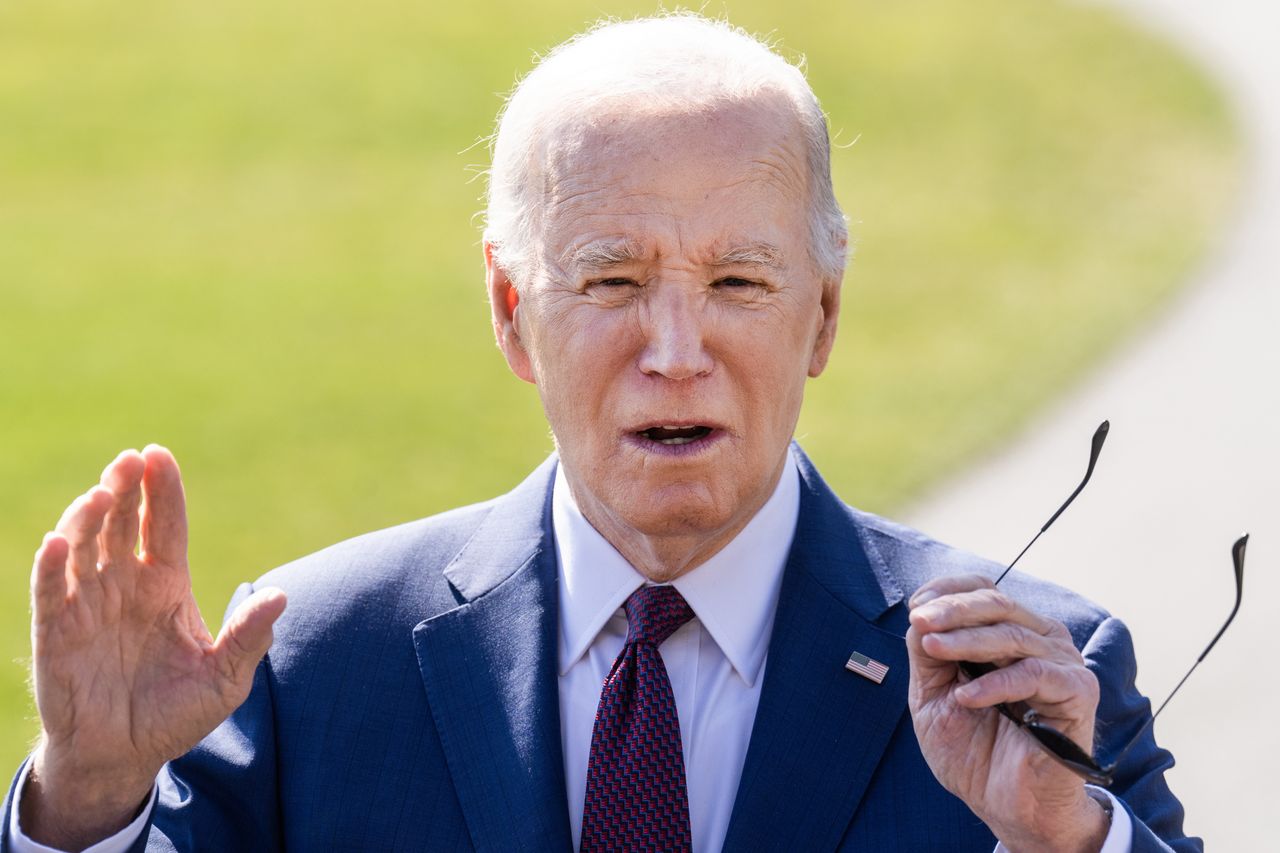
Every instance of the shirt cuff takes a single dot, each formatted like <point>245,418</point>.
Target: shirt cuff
<point>1119,837</point>
<point>118,843</point>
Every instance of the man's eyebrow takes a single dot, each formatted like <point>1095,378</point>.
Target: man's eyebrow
<point>751,254</point>
<point>602,254</point>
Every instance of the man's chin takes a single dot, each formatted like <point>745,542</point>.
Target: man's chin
<point>674,510</point>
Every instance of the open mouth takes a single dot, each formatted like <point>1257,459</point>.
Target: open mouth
<point>675,435</point>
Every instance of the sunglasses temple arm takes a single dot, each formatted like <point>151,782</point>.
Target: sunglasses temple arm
<point>1110,768</point>
<point>1099,436</point>
<point>1237,559</point>
<point>1221,631</point>
<point>1025,549</point>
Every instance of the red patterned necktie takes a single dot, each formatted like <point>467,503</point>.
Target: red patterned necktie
<point>636,795</point>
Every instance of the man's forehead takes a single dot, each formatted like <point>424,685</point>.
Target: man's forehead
<point>625,139</point>
<point>727,185</point>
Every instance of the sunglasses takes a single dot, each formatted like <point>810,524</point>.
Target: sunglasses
<point>1066,751</point>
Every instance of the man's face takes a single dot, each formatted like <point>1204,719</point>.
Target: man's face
<point>675,314</point>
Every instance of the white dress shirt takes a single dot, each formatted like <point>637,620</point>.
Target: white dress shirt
<point>715,662</point>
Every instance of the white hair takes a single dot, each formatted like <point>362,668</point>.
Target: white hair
<point>680,60</point>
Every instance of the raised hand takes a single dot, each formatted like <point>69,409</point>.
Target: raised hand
<point>1028,799</point>
<point>127,675</point>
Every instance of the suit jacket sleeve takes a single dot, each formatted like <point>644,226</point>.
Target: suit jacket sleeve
<point>1122,711</point>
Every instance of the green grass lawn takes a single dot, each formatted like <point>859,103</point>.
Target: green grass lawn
<point>246,230</point>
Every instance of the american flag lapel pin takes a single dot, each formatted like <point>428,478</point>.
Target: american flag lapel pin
<point>867,667</point>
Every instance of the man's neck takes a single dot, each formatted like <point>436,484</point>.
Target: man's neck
<point>662,558</point>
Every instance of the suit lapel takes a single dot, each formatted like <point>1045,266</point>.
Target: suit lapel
<point>820,730</point>
<point>489,671</point>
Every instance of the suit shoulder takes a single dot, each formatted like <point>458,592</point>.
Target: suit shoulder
<point>915,558</point>
<point>405,559</point>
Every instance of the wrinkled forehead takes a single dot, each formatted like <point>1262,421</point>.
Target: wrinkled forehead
<point>710,164</point>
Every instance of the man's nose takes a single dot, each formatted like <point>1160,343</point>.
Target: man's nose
<point>675,328</point>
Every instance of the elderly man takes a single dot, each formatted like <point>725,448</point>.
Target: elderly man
<point>644,645</point>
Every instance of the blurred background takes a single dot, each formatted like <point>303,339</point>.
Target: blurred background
<point>249,232</point>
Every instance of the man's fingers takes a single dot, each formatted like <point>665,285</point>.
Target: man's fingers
<point>997,643</point>
<point>49,578</point>
<point>979,607</point>
<point>930,676</point>
<point>164,509</point>
<point>247,636</point>
<point>948,585</point>
<point>80,526</point>
<point>1035,681</point>
<point>119,538</point>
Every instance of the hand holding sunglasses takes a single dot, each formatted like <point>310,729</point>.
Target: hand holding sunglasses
<point>1033,663</point>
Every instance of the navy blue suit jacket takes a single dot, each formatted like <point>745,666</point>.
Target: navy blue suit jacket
<point>410,700</point>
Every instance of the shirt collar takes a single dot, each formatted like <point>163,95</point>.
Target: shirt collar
<point>734,594</point>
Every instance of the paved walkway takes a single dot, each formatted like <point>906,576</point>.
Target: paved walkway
<point>1193,459</point>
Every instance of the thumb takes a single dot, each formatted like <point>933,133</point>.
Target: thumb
<point>246,636</point>
<point>929,677</point>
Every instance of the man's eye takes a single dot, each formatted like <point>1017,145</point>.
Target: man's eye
<point>734,282</point>
<point>612,282</point>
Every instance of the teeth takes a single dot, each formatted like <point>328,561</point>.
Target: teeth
<point>674,435</point>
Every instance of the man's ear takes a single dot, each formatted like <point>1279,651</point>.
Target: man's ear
<point>504,307</point>
<point>826,337</point>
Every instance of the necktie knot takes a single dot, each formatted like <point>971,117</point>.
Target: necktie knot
<point>654,613</point>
